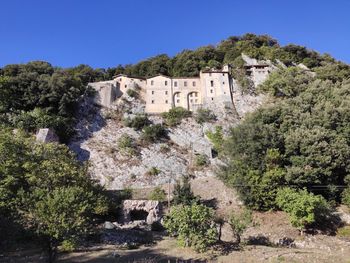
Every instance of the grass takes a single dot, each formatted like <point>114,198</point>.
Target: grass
<point>344,232</point>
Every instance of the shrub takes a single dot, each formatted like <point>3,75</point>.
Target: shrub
<point>164,148</point>
<point>216,138</point>
<point>239,222</point>
<point>174,116</point>
<point>132,93</point>
<point>193,225</point>
<point>304,208</point>
<point>153,133</point>
<point>158,194</point>
<point>201,160</point>
<point>204,115</point>
<point>346,197</point>
<point>153,171</point>
<point>183,193</point>
<point>138,122</point>
<point>126,145</point>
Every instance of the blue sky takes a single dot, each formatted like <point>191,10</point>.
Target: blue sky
<point>104,33</point>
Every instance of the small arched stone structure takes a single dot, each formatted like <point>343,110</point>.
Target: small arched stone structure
<point>153,208</point>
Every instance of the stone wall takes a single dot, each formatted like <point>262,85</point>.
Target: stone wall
<point>153,208</point>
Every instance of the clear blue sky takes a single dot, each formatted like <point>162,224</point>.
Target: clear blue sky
<point>104,33</point>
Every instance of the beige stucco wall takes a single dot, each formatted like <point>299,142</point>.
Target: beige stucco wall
<point>124,83</point>
<point>158,94</point>
<point>161,93</point>
<point>220,91</point>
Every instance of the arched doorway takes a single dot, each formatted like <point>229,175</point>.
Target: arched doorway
<point>192,100</point>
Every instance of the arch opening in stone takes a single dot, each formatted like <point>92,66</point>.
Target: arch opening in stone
<point>137,215</point>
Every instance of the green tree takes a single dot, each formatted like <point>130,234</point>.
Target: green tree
<point>239,222</point>
<point>304,208</point>
<point>182,193</point>
<point>193,226</point>
<point>153,133</point>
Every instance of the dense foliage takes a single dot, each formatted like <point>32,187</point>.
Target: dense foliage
<point>45,190</point>
<point>183,193</point>
<point>188,63</point>
<point>301,140</point>
<point>193,225</point>
<point>175,115</point>
<point>304,208</point>
<point>37,95</point>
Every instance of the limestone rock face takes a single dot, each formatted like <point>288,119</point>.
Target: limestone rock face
<point>153,209</point>
<point>46,136</point>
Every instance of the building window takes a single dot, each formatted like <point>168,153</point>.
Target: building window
<point>193,83</point>
<point>196,100</point>
<point>190,94</point>
<point>223,74</point>
<point>166,83</point>
<point>191,101</point>
<point>152,101</point>
<point>166,102</point>
<point>178,101</point>
<point>178,95</point>
<point>211,91</point>
<point>185,83</point>
<point>212,83</point>
<point>166,92</point>
<point>209,74</point>
<point>212,98</point>
<point>120,79</point>
<point>152,92</point>
<point>125,86</point>
<point>175,84</point>
<point>196,94</point>
<point>152,82</point>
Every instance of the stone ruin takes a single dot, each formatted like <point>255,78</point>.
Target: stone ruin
<point>46,136</point>
<point>141,210</point>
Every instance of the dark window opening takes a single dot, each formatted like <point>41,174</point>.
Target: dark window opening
<point>138,215</point>
<point>211,83</point>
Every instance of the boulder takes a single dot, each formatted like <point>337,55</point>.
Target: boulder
<point>46,135</point>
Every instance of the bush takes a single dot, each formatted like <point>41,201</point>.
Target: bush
<point>346,197</point>
<point>153,171</point>
<point>126,145</point>
<point>239,222</point>
<point>204,115</point>
<point>201,160</point>
<point>153,133</point>
<point>216,138</point>
<point>183,193</point>
<point>164,148</point>
<point>158,194</point>
<point>175,115</point>
<point>138,122</point>
<point>132,93</point>
<point>304,208</point>
<point>193,225</point>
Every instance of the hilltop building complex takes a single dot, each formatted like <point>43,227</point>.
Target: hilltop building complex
<point>161,93</point>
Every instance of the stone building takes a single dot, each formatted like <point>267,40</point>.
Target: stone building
<point>161,93</point>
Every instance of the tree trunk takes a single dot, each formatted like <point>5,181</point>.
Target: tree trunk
<point>238,239</point>
<point>52,248</point>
